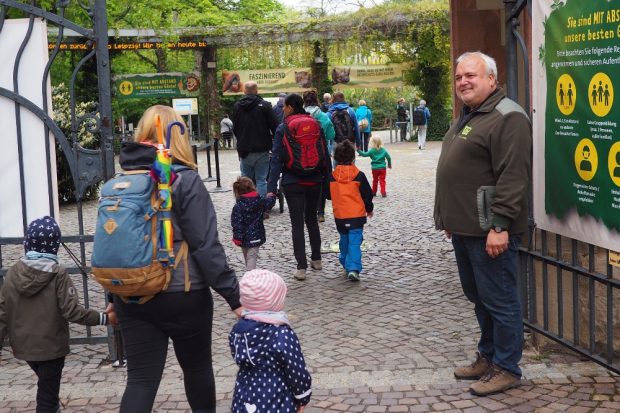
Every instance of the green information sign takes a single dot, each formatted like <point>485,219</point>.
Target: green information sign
<point>157,85</point>
<point>582,137</point>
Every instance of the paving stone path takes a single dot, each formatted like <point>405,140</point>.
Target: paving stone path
<point>386,344</point>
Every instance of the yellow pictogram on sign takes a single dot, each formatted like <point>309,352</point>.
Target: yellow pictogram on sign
<point>601,94</point>
<point>126,88</point>
<point>566,94</point>
<point>586,159</point>
<point>613,162</point>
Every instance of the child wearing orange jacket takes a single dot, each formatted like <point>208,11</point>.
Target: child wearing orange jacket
<point>351,197</point>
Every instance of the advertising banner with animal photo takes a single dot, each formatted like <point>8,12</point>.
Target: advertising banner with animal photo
<point>576,119</point>
<point>369,76</point>
<point>157,85</point>
<point>268,80</point>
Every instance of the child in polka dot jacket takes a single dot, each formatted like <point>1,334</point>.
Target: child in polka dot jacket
<point>272,375</point>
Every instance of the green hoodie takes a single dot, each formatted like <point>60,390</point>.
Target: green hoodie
<point>323,119</point>
<point>377,158</point>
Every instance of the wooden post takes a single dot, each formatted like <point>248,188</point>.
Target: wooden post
<point>210,112</point>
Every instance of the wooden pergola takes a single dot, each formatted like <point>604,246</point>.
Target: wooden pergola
<point>361,25</point>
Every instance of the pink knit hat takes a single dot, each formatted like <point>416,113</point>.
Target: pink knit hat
<point>262,290</point>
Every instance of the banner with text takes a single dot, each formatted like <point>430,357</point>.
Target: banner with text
<point>375,76</point>
<point>576,133</point>
<point>156,85</point>
<point>268,80</point>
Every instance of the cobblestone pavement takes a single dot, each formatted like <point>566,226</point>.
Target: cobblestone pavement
<point>386,344</point>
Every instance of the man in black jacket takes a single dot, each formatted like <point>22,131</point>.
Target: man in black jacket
<point>255,124</point>
<point>483,177</point>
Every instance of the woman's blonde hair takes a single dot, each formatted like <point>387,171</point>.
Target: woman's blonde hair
<point>375,142</point>
<point>180,149</point>
<point>362,102</point>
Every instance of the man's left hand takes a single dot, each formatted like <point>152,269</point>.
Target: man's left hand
<point>497,243</point>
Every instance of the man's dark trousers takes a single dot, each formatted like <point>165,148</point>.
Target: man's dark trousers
<point>491,284</point>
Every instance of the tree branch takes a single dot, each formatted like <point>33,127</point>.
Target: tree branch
<point>146,59</point>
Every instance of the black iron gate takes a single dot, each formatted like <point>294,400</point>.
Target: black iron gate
<point>87,166</point>
<point>569,289</point>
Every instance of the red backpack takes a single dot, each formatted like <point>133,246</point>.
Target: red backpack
<point>304,148</point>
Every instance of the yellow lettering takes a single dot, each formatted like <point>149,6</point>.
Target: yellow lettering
<point>613,16</point>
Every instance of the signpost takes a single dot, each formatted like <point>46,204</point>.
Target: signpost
<point>187,107</point>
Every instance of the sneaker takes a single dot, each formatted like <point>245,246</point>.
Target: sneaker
<point>300,274</point>
<point>120,363</point>
<point>495,380</point>
<point>321,217</point>
<point>353,275</point>
<point>475,370</point>
<point>316,265</point>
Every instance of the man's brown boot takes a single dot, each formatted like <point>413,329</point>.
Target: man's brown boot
<point>496,380</point>
<point>475,370</point>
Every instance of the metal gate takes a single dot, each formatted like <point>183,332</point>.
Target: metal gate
<point>87,166</point>
<point>570,293</point>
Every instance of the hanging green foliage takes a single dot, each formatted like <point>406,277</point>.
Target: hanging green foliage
<point>431,72</point>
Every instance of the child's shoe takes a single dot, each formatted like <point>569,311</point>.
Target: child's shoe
<point>300,274</point>
<point>316,265</point>
<point>321,218</point>
<point>353,275</point>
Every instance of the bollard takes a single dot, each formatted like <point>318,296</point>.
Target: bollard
<point>218,186</point>
<point>216,147</point>
<point>209,160</point>
<point>210,177</point>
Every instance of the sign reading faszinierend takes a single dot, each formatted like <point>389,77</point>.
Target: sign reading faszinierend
<point>577,120</point>
<point>268,80</point>
<point>300,79</point>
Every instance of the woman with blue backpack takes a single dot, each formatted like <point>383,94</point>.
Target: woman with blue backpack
<point>183,311</point>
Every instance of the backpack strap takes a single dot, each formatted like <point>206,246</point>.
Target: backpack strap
<point>136,172</point>
<point>182,254</point>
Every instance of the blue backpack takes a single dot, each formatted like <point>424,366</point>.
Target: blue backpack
<point>126,258</point>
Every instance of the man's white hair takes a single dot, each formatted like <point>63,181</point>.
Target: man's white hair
<point>422,102</point>
<point>327,96</point>
<point>489,62</point>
